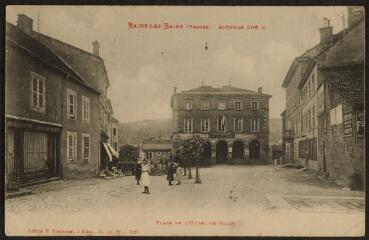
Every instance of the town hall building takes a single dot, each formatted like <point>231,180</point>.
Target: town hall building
<point>235,121</point>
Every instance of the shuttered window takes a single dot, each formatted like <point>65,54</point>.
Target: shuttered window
<point>72,146</point>
<point>37,92</point>
<point>85,109</point>
<point>72,104</point>
<point>85,147</point>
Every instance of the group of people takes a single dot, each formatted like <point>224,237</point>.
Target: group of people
<point>142,174</point>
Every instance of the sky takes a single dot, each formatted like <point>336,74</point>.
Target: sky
<point>144,65</point>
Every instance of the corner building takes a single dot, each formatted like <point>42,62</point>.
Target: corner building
<point>235,121</point>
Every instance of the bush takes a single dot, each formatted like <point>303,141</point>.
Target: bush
<point>356,181</point>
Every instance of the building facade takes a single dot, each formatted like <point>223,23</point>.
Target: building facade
<point>156,150</point>
<point>37,84</point>
<point>326,124</point>
<point>90,67</point>
<point>115,134</point>
<point>234,121</point>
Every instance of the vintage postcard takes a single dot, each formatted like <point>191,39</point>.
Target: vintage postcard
<point>184,121</point>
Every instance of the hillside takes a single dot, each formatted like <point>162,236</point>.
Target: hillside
<point>135,132</point>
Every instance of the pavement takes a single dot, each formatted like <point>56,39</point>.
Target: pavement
<point>231,201</point>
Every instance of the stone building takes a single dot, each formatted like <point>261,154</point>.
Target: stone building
<point>50,113</point>
<point>341,104</point>
<point>235,121</point>
<point>90,67</point>
<point>325,97</point>
<point>115,134</point>
<point>156,150</point>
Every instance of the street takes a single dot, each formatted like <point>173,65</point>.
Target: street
<point>232,200</point>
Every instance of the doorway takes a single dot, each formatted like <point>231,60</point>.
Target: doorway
<point>221,152</point>
<point>238,150</point>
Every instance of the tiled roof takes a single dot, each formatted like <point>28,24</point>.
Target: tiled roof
<point>45,54</point>
<point>85,63</point>
<point>348,50</point>
<point>317,52</point>
<point>221,91</point>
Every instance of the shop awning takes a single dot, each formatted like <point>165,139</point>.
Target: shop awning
<point>108,151</point>
<point>115,153</point>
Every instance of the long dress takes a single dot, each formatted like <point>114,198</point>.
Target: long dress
<point>145,178</point>
<point>179,174</point>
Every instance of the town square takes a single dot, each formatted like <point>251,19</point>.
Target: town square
<point>184,121</point>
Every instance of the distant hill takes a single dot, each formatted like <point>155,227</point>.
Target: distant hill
<point>135,132</point>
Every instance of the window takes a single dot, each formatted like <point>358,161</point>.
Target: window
<point>309,119</point>
<point>221,105</point>
<point>238,124</point>
<point>72,104</point>
<point>205,124</point>
<point>85,147</point>
<point>72,146</point>
<point>188,105</point>
<point>313,117</point>
<point>205,105</point>
<point>336,115</point>
<point>114,131</point>
<point>238,105</point>
<point>37,92</point>
<point>149,155</point>
<point>255,124</point>
<point>221,124</point>
<point>254,105</point>
<point>85,109</point>
<point>188,124</point>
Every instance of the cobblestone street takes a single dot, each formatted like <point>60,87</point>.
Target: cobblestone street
<point>232,200</point>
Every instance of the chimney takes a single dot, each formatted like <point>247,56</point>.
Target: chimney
<point>25,23</point>
<point>260,90</point>
<point>354,14</point>
<point>175,90</point>
<point>95,48</point>
<point>326,33</point>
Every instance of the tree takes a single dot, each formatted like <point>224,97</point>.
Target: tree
<point>192,148</point>
<point>128,153</point>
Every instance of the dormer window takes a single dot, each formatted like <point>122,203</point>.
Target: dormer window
<point>221,105</point>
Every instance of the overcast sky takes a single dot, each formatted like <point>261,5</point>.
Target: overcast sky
<point>145,64</point>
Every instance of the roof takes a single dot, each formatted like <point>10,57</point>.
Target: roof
<point>225,90</point>
<point>349,80</point>
<point>157,146</point>
<point>306,59</point>
<point>44,53</point>
<point>348,50</point>
<point>83,62</point>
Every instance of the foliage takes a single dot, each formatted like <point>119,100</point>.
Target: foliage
<point>192,148</point>
<point>128,153</point>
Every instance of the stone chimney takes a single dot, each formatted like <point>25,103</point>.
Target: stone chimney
<point>25,23</point>
<point>175,90</point>
<point>326,33</point>
<point>260,90</point>
<point>96,48</point>
<point>354,14</point>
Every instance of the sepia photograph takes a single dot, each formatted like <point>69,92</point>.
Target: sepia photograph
<point>184,121</point>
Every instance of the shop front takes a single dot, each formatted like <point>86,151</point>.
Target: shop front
<point>32,151</point>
